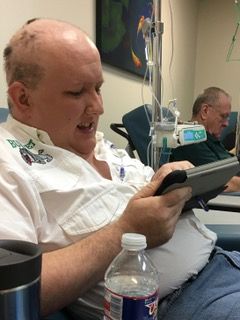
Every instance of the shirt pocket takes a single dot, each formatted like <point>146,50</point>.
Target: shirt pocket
<point>102,209</point>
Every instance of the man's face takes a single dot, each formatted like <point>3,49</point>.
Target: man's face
<point>217,116</point>
<point>67,102</point>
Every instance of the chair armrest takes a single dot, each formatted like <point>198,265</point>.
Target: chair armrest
<point>228,235</point>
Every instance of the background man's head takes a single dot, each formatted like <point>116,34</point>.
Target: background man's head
<point>212,108</point>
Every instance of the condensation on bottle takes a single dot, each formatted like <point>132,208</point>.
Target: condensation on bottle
<point>131,283</point>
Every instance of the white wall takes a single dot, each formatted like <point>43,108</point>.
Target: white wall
<point>185,15</point>
<point>217,23</point>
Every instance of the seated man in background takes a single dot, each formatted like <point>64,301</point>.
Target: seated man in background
<point>63,186</point>
<point>212,109</point>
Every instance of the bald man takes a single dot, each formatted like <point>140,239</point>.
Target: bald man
<point>60,180</point>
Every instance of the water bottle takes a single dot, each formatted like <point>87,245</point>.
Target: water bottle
<point>131,283</point>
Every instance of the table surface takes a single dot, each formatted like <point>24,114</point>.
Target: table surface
<point>231,201</point>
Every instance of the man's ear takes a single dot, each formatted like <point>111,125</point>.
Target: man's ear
<point>19,95</point>
<point>204,111</point>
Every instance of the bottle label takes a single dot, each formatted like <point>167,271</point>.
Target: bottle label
<point>121,307</point>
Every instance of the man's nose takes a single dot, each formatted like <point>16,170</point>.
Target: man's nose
<point>94,104</point>
<point>226,122</point>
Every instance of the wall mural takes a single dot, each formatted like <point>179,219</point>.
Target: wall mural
<point>119,36</point>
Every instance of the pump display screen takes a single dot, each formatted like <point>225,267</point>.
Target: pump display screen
<point>188,135</point>
<point>194,135</point>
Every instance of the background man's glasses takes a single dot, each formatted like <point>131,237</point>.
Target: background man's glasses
<point>223,116</point>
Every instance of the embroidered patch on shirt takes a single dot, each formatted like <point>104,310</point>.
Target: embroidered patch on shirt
<point>28,156</point>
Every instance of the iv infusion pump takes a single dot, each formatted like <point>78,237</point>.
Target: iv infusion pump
<point>172,136</point>
<point>188,134</point>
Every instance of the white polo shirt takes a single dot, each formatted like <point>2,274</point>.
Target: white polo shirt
<point>53,197</point>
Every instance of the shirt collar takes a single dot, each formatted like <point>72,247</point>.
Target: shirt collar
<point>32,132</point>
<point>38,134</point>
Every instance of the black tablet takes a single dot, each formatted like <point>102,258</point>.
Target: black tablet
<point>206,181</point>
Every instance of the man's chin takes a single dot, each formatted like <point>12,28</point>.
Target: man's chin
<point>87,149</point>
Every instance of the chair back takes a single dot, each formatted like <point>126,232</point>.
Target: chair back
<point>137,124</point>
<point>238,136</point>
<point>3,114</point>
<point>228,135</point>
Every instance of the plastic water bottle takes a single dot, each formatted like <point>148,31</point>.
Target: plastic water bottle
<point>131,283</point>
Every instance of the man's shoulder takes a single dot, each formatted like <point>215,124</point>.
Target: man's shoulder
<point>190,148</point>
<point>195,153</point>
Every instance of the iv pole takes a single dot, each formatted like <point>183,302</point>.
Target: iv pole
<point>165,134</point>
<point>157,89</point>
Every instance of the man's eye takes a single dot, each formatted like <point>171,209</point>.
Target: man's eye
<point>75,93</point>
<point>98,90</point>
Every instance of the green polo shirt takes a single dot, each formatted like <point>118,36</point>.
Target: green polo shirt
<point>200,153</point>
